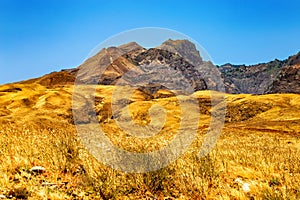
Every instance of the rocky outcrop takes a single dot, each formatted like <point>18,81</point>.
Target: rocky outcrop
<point>272,77</point>
<point>183,48</point>
<point>254,79</point>
<point>288,80</point>
<point>167,69</point>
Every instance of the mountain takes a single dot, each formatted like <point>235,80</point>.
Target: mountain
<point>254,79</point>
<point>288,80</point>
<point>272,77</point>
<point>184,48</point>
<point>177,64</point>
<point>156,67</point>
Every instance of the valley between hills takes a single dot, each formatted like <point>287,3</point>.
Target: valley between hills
<point>257,155</point>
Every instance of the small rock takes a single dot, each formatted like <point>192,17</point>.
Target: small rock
<point>245,187</point>
<point>79,169</point>
<point>19,193</point>
<point>239,181</point>
<point>38,169</point>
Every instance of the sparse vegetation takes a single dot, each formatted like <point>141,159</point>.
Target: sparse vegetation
<point>267,163</point>
<point>261,151</point>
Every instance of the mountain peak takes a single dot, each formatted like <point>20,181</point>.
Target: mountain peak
<point>184,48</point>
<point>130,47</point>
<point>294,60</point>
<point>178,42</point>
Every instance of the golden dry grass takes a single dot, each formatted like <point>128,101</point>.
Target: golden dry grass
<point>259,146</point>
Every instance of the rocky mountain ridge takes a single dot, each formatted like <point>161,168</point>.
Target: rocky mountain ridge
<point>178,64</point>
<point>272,77</point>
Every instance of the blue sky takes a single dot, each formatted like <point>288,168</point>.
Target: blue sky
<point>40,36</point>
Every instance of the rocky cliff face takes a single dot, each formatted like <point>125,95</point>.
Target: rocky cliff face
<point>288,80</point>
<point>177,64</point>
<point>183,48</point>
<point>254,79</point>
<point>272,77</point>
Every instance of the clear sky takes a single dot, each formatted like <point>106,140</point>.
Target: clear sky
<point>40,36</point>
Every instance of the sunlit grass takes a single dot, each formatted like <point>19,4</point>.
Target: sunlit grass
<point>256,157</point>
<point>269,163</point>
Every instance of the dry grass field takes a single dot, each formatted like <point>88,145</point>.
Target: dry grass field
<point>256,157</point>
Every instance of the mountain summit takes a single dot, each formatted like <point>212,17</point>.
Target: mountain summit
<point>135,64</point>
<point>184,48</point>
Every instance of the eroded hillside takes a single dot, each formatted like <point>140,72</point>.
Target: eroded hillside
<point>34,102</point>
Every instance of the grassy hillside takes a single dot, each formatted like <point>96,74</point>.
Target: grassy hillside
<point>256,157</point>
